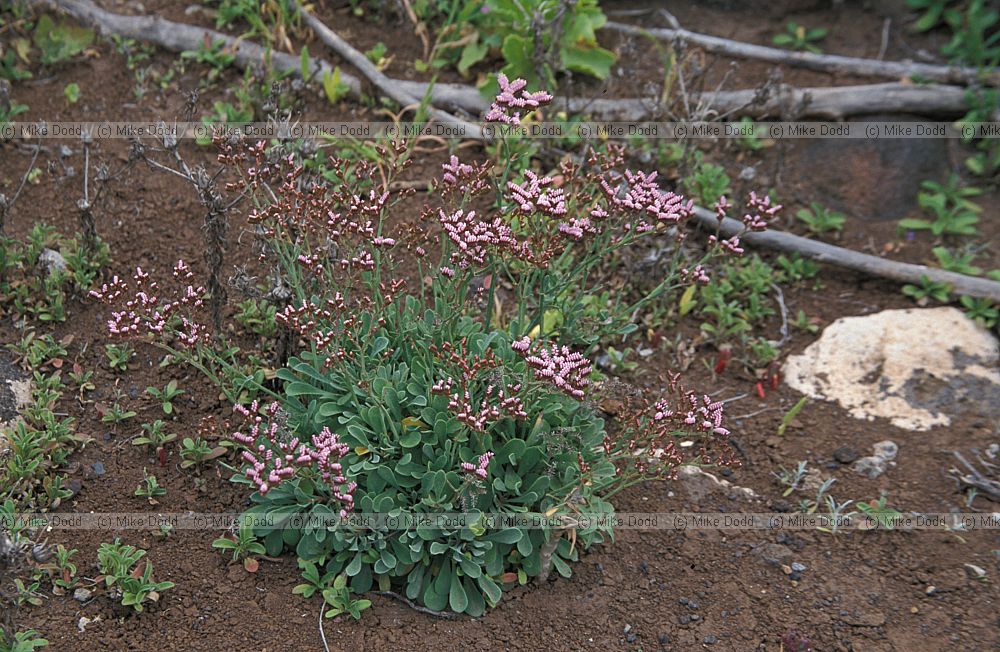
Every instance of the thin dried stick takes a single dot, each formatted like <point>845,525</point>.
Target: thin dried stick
<point>446,615</point>
<point>829,63</point>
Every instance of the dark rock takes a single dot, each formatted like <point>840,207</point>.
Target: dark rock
<point>664,638</point>
<point>693,605</point>
<point>684,619</point>
<point>630,637</point>
<point>97,468</point>
<point>682,601</point>
<point>710,640</point>
<point>845,455</point>
<point>781,506</point>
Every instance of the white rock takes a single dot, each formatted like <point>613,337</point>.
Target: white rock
<point>871,466</point>
<point>52,260</point>
<point>886,450</point>
<point>908,366</point>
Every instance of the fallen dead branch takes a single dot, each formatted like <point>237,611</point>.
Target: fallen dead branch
<point>388,86</point>
<point>846,258</point>
<point>786,102</point>
<point>829,63</point>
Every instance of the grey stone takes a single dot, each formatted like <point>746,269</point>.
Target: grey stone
<point>845,454</point>
<point>871,467</point>
<point>886,450</point>
<point>82,595</point>
<point>52,260</point>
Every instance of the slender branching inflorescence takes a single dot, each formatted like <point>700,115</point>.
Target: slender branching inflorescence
<point>498,400</point>
<point>143,311</point>
<point>273,456</point>
<point>566,369</point>
<point>657,437</point>
<point>480,469</point>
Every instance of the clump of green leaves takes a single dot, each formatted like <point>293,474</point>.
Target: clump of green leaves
<point>953,212</point>
<point>150,487</point>
<point>708,182</point>
<point>819,219</point>
<point>928,289</point>
<point>214,55</point>
<point>60,42</point>
<point>24,641</point>
<point>243,544</point>
<point>119,355</point>
<point>880,513</point>
<point>116,562</point>
<point>799,37</point>
<point>156,435</point>
<point>983,311</point>
<point>72,92</point>
<point>166,395</point>
<point>197,451</point>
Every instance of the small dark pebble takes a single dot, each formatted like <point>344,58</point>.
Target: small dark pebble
<point>845,454</point>
<point>133,392</point>
<point>798,566</point>
<point>781,506</point>
<point>711,640</point>
<point>107,436</point>
<point>832,465</point>
<point>795,576</point>
<point>644,568</point>
<point>97,468</point>
<point>726,471</point>
<point>725,614</point>
<point>693,605</point>
<point>684,620</point>
<point>630,637</point>
<point>682,601</point>
<point>784,539</point>
<point>664,638</point>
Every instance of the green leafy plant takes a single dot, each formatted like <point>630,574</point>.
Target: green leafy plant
<point>149,488</point>
<point>116,414</point>
<point>334,89</point>
<point>933,13</point>
<point>155,436</point>
<point>802,322</point>
<point>72,92</point>
<point>708,182</point>
<point>338,598</point>
<point>60,42</point>
<point>954,261</point>
<point>749,134</point>
<point>927,289</point>
<point>61,570</point>
<point>789,416</point>
<point>377,55</point>
<point>538,39</point>
<point>196,452</point>
<point>115,562</point>
<point>10,70</point>
<point>975,38</point>
<point>798,37</point>
<point>819,219</point>
<point>24,641</point>
<point>983,311</point>
<point>880,513</point>
<point>953,213</point>
<point>258,316</point>
<point>243,545</point>
<point>166,396</point>
<point>791,478</point>
<point>214,55</point>
<point>118,356</point>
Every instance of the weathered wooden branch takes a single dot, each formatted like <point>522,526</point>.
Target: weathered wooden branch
<point>829,63</point>
<point>388,86</point>
<point>846,258</point>
<point>785,102</point>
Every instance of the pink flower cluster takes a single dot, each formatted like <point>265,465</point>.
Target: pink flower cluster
<point>642,195</point>
<point>145,313</point>
<point>475,238</point>
<point>651,440</point>
<point>272,458</point>
<point>463,177</point>
<point>697,275</point>
<point>535,196</point>
<point>759,213</point>
<point>479,470</point>
<point>512,100</point>
<point>567,370</point>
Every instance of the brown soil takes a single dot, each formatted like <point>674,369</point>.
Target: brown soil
<point>650,590</point>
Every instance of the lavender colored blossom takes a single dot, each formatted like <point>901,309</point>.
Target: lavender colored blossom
<point>512,101</point>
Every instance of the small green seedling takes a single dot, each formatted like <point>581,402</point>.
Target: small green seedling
<point>884,517</point>
<point>155,436</point>
<point>149,488</point>
<point>72,93</point>
<point>118,356</point>
<point>791,414</point>
<point>927,289</point>
<point>166,396</point>
<point>798,37</point>
<point>243,544</point>
<point>338,597</point>
<point>819,219</point>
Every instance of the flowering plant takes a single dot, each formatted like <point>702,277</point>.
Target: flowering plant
<point>407,399</point>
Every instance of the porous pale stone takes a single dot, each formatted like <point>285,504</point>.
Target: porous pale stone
<point>915,367</point>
